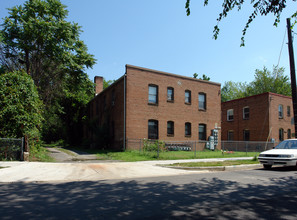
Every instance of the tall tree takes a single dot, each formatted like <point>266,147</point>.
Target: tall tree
<point>260,7</point>
<point>37,38</point>
<point>265,81</point>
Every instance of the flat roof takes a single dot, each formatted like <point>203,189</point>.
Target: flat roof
<point>172,75</point>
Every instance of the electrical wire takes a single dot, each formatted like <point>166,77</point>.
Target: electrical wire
<point>280,54</point>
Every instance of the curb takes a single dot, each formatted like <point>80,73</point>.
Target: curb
<point>219,168</point>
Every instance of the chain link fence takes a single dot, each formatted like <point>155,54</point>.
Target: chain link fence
<point>11,148</point>
<point>226,147</point>
<point>247,146</point>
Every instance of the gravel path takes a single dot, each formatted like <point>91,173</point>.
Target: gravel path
<point>73,156</point>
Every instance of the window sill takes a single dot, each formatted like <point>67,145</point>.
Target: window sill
<point>202,110</point>
<point>171,101</point>
<point>155,104</point>
<point>170,135</point>
<point>188,103</point>
<point>188,136</point>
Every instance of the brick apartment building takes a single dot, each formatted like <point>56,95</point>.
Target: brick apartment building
<point>150,104</point>
<point>267,116</point>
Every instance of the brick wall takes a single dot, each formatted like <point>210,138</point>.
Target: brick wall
<point>263,117</point>
<point>139,111</point>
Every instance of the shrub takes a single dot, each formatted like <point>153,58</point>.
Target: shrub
<point>153,145</point>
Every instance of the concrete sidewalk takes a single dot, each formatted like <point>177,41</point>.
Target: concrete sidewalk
<point>67,172</point>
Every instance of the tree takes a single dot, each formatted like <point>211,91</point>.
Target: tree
<point>265,81</point>
<point>204,77</point>
<point>233,90</point>
<point>260,7</point>
<point>37,38</point>
<point>107,83</point>
<point>20,109</point>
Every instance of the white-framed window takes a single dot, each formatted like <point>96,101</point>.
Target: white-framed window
<point>280,111</point>
<point>230,115</point>
<point>246,112</point>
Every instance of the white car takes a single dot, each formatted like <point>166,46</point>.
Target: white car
<point>283,154</point>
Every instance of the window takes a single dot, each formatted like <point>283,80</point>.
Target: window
<point>281,134</point>
<point>170,94</point>
<point>153,131</point>
<point>246,135</point>
<point>289,134</point>
<point>188,131</point>
<point>288,111</point>
<point>280,111</point>
<point>230,116</point>
<point>153,94</point>
<point>170,128</point>
<point>202,131</point>
<point>246,112</point>
<point>202,101</point>
<point>230,136</point>
<point>188,97</point>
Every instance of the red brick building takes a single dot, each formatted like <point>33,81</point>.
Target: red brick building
<point>150,104</point>
<point>262,117</point>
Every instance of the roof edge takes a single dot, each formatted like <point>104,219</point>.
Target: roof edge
<point>171,74</point>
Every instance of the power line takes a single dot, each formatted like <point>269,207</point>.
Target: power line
<point>281,51</point>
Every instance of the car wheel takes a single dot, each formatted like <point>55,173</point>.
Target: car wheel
<point>267,167</point>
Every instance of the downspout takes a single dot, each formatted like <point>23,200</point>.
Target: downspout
<point>125,90</point>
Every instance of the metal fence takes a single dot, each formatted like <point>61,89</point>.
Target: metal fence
<point>247,146</point>
<point>11,148</point>
<point>195,146</point>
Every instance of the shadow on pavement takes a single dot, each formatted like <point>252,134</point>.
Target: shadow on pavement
<point>206,198</point>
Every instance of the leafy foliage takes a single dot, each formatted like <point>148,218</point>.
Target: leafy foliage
<point>21,108</point>
<point>37,38</point>
<point>260,7</point>
<point>265,81</point>
<point>204,77</point>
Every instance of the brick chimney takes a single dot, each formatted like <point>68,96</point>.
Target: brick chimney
<point>98,80</point>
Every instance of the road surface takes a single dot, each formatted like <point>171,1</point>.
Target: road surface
<point>248,194</point>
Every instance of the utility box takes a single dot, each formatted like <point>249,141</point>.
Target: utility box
<point>211,145</point>
<point>215,134</point>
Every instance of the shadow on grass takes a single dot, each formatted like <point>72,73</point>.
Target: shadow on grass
<point>203,198</point>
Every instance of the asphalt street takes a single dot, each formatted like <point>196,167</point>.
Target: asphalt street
<point>248,194</point>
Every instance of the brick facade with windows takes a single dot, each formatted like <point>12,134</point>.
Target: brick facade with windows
<point>155,104</point>
<point>262,117</point>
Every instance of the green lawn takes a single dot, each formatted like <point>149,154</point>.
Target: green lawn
<point>214,164</point>
<point>130,156</point>
<point>41,155</point>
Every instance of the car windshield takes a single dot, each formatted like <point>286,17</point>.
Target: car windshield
<point>287,145</point>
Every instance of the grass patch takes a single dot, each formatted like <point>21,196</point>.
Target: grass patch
<point>215,164</point>
<point>133,155</point>
<point>42,155</point>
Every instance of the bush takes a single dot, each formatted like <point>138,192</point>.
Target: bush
<point>152,146</point>
<point>21,109</point>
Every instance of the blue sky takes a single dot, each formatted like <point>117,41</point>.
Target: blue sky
<point>158,35</point>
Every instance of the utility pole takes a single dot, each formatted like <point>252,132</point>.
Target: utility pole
<point>292,71</point>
